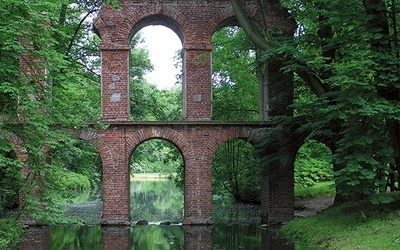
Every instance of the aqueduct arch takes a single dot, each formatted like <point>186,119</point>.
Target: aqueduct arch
<point>196,136</point>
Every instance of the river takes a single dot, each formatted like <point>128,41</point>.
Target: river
<point>236,225</point>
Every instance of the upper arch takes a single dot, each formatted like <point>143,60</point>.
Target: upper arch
<point>170,135</point>
<point>144,16</point>
<point>226,17</point>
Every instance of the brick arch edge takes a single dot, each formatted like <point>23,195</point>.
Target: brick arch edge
<point>227,135</point>
<point>167,16</point>
<point>93,138</point>
<point>169,135</point>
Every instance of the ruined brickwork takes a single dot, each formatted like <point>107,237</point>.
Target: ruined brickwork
<point>196,136</point>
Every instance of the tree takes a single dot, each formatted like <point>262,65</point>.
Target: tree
<point>236,170</point>
<point>353,110</point>
<point>49,83</point>
<point>234,75</point>
<point>347,54</point>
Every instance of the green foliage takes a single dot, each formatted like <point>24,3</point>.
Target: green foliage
<point>236,171</point>
<point>235,85</point>
<point>10,176</point>
<point>148,102</point>
<point>312,164</point>
<point>78,160</point>
<point>73,181</point>
<point>347,53</point>
<point>156,156</point>
<point>235,168</point>
<point>58,88</point>
<point>10,232</point>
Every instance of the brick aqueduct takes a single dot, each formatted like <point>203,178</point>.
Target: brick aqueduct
<point>196,136</point>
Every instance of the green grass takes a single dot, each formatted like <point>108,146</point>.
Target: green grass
<point>359,225</point>
<point>320,189</point>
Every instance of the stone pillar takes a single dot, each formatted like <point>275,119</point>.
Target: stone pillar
<point>280,89</point>
<point>263,94</point>
<point>116,180</point>
<point>198,180</point>
<point>116,238</point>
<point>115,104</point>
<point>198,194</point>
<point>197,94</point>
<point>277,195</point>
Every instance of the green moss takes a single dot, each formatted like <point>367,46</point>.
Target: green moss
<point>360,225</point>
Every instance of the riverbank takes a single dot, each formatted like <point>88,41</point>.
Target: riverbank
<point>359,225</point>
<point>151,176</point>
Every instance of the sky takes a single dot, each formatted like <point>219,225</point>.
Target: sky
<point>162,44</point>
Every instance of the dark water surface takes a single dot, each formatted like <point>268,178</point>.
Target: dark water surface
<point>239,236</point>
<point>236,225</point>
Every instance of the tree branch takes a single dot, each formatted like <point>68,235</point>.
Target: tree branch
<point>259,39</point>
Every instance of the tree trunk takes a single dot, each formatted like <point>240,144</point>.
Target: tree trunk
<point>379,24</point>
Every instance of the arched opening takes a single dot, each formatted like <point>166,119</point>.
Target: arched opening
<point>156,74</point>
<point>313,170</point>
<point>156,187</point>
<point>234,78</point>
<point>236,181</point>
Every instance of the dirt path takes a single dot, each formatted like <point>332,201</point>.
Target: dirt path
<point>312,206</point>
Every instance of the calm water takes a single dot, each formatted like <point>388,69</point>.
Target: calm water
<point>236,226</point>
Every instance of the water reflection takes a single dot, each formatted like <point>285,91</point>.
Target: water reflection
<point>239,236</point>
<point>236,225</point>
<point>157,200</point>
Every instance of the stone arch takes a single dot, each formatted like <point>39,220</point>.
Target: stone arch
<point>101,29</point>
<point>144,16</point>
<point>223,137</point>
<point>94,139</point>
<point>226,17</point>
<point>167,134</point>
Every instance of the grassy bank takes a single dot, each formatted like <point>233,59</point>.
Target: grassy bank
<point>359,225</point>
<point>320,189</point>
